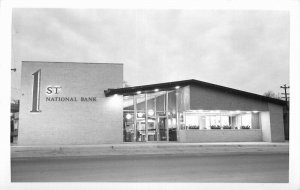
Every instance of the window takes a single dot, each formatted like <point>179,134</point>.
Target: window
<point>216,119</point>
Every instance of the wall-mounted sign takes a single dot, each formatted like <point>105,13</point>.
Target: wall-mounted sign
<point>51,94</point>
<point>53,90</point>
<point>36,91</point>
<point>71,99</point>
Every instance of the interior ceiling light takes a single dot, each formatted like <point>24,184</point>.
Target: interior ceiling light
<point>151,112</point>
<point>128,116</point>
<point>177,87</point>
<point>138,92</point>
<point>156,90</point>
<point>140,114</point>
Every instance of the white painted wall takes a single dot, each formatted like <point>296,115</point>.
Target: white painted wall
<point>265,125</point>
<point>72,123</point>
<point>276,120</point>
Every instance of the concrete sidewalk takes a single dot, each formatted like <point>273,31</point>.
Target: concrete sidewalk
<point>148,148</point>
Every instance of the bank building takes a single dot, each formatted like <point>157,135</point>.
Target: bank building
<point>66,103</point>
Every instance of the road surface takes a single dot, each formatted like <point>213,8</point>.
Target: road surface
<point>251,168</point>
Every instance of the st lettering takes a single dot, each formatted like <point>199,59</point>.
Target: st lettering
<point>53,90</point>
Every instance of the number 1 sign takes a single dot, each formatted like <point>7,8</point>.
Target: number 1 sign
<point>36,91</point>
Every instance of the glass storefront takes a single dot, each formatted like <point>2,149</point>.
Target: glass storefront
<point>150,117</point>
<point>156,116</point>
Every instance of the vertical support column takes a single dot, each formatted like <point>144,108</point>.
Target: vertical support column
<point>134,118</point>
<point>265,125</point>
<point>167,115</point>
<point>185,126</point>
<point>155,123</point>
<point>146,119</point>
<point>177,114</point>
<point>241,120</point>
<point>199,120</point>
<point>221,124</point>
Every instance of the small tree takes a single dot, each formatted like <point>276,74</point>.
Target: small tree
<point>271,94</point>
<point>14,101</point>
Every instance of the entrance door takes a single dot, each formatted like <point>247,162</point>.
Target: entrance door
<point>140,129</point>
<point>162,128</point>
<point>152,132</point>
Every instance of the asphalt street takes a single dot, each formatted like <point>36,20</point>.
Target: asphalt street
<point>250,168</point>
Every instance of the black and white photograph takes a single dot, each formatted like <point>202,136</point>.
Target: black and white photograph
<point>150,95</point>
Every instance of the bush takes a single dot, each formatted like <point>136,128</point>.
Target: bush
<point>227,127</point>
<point>215,127</point>
<point>245,127</point>
<point>193,127</point>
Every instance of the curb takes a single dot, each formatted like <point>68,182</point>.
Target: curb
<point>147,149</point>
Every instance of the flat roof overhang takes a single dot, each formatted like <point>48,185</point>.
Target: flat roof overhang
<point>146,88</point>
<point>172,85</point>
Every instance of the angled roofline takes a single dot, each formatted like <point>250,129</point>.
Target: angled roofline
<point>182,83</point>
<point>73,62</point>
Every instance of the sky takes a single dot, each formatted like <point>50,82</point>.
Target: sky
<point>246,50</point>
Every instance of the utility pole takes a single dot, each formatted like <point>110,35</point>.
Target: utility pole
<point>285,93</point>
<point>286,113</point>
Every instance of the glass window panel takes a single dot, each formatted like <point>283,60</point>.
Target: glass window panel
<point>191,119</point>
<point>128,103</point>
<point>208,119</point>
<point>160,102</point>
<point>140,126</point>
<point>128,126</point>
<point>202,122</point>
<point>151,101</point>
<point>246,120</point>
<point>151,120</point>
<point>225,120</point>
<point>172,102</point>
<point>140,102</point>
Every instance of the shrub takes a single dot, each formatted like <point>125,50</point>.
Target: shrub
<point>193,127</point>
<point>227,127</point>
<point>215,127</point>
<point>245,127</point>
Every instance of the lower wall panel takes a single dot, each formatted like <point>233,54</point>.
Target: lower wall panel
<point>245,135</point>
